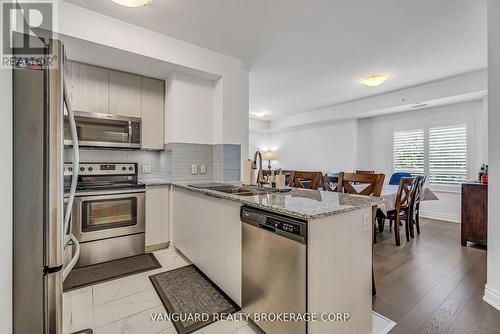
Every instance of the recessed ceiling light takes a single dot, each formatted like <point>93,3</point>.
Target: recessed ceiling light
<point>132,3</point>
<point>374,80</point>
<point>260,113</point>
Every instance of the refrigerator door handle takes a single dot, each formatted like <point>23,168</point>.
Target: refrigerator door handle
<point>66,270</point>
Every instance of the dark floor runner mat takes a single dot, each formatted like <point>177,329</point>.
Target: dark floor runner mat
<point>85,331</point>
<point>187,291</point>
<point>102,272</point>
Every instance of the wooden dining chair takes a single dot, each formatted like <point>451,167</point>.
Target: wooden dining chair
<point>365,172</point>
<point>402,211</point>
<point>332,183</point>
<point>307,180</point>
<point>363,184</point>
<point>372,184</point>
<point>267,172</point>
<point>288,176</point>
<point>415,204</point>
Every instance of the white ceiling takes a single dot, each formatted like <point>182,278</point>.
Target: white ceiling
<point>303,54</point>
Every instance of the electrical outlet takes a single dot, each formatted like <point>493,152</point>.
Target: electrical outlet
<point>367,220</point>
<point>194,169</point>
<point>203,169</point>
<point>146,169</point>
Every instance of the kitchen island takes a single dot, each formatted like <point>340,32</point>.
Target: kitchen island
<point>338,257</point>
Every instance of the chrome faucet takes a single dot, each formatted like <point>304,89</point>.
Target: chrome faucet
<point>260,175</point>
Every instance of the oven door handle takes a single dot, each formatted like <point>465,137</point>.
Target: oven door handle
<point>113,196</point>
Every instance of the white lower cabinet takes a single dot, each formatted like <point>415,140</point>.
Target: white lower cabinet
<point>208,231</point>
<point>157,215</point>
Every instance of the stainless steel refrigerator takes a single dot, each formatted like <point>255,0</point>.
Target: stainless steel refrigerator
<point>39,235</point>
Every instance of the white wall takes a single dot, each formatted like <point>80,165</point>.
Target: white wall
<point>189,110</point>
<point>492,289</point>
<point>329,147</point>
<point>6,201</point>
<point>376,147</point>
<point>258,141</point>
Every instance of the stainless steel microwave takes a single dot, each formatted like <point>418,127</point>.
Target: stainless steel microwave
<point>105,130</point>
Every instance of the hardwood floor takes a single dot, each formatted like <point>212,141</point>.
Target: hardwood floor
<point>432,284</point>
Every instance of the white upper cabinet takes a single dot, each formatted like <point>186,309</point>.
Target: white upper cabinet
<point>124,94</point>
<point>87,87</point>
<point>152,106</point>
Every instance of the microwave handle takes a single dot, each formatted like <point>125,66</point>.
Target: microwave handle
<point>130,131</point>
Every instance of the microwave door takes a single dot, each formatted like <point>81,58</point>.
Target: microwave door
<point>103,130</point>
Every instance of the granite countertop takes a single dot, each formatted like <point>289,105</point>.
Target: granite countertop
<point>302,203</point>
<point>155,182</point>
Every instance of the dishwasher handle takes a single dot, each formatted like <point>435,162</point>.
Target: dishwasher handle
<point>266,227</point>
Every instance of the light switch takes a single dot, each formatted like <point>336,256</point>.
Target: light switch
<point>203,169</point>
<point>146,169</point>
<point>194,169</point>
<point>367,220</point>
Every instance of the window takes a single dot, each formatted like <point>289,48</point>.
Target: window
<point>409,151</point>
<point>439,152</point>
<point>448,154</point>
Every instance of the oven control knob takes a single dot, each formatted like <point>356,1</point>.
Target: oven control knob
<point>91,169</point>
<point>82,169</point>
<point>131,168</point>
<point>124,168</point>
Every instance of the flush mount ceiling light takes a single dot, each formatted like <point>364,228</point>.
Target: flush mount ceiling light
<point>132,3</point>
<point>374,80</point>
<point>260,113</point>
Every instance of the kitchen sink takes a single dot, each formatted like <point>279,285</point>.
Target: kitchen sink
<point>234,190</point>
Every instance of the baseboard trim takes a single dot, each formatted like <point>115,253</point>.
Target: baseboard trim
<point>491,297</point>
<point>153,248</point>
<point>440,216</point>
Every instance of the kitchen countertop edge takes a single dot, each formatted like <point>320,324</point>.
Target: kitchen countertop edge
<point>371,201</point>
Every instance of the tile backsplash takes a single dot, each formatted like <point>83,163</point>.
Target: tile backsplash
<point>231,162</point>
<point>184,155</point>
<point>159,161</point>
<point>174,164</point>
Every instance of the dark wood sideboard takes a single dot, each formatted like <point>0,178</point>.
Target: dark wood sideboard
<point>474,213</point>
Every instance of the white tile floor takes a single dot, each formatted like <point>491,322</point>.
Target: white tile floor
<point>124,306</point>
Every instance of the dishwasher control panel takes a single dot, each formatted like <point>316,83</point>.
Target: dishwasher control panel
<point>284,226</point>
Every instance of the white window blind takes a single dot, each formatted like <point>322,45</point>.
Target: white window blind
<point>448,154</point>
<point>409,151</point>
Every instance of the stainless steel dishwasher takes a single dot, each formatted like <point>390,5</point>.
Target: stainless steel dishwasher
<point>274,265</point>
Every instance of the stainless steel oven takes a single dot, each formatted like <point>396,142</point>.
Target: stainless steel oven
<point>106,130</point>
<point>109,225</point>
